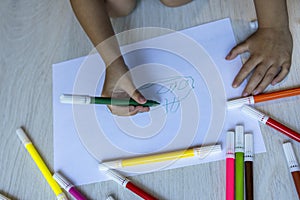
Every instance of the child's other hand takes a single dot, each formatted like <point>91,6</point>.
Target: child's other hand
<point>270,59</point>
<point>118,84</point>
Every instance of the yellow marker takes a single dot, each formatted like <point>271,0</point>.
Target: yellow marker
<point>193,152</point>
<point>41,165</point>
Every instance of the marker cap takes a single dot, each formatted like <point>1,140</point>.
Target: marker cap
<point>204,150</point>
<point>236,103</point>
<point>111,165</point>
<point>290,157</point>
<point>255,114</point>
<point>253,24</point>
<point>62,181</point>
<point>61,196</point>
<point>114,175</point>
<point>75,99</point>
<point>230,144</point>
<point>110,198</point>
<point>249,148</point>
<point>239,138</point>
<point>22,136</point>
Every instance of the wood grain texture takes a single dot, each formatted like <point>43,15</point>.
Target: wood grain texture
<point>35,34</point>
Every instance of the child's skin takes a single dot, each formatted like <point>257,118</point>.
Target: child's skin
<point>270,47</point>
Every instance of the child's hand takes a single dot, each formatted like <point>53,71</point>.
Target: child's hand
<point>118,84</point>
<point>270,59</point>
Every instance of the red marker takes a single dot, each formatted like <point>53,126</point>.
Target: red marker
<point>255,114</point>
<point>125,182</point>
<point>293,165</point>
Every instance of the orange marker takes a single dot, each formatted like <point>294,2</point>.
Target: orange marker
<point>262,97</point>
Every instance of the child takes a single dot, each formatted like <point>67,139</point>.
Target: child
<point>270,47</point>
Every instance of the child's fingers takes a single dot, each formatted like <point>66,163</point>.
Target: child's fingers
<point>127,110</point>
<point>271,73</point>
<point>251,63</point>
<point>255,79</point>
<point>138,97</point>
<point>282,74</point>
<point>241,48</point>
<point>134,93</point>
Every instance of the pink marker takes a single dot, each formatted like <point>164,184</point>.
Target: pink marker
<point>68,186</point>
<point>230,165</point>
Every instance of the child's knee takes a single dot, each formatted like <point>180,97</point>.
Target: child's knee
<point>175,3</point>
<point>120,8</point>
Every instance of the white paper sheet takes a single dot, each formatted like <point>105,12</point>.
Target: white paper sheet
<point>185,71</point>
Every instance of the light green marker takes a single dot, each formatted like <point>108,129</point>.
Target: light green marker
<point>239,163</point>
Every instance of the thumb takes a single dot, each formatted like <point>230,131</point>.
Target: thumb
<point>135,94</point>
<point>138,97</point>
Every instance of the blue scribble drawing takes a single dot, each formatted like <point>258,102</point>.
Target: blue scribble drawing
<point>171,92</point>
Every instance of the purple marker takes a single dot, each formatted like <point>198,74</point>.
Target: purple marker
<point>68,186</point>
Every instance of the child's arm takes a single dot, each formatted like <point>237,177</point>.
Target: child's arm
<point>270,48</point>
<point>93,17</point>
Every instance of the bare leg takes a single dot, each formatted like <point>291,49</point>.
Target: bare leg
<point>119,8</point>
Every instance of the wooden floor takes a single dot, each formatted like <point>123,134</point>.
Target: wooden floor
<point>34,34</point>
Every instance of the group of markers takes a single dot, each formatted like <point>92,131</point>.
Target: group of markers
<point>236,154</point>
<point>239,164</point>
<point>239,147</point>
<point>57,181</point>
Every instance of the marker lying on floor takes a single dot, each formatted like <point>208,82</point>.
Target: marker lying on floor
<point>239,162</point>
<point>293,165</point>
<point>126,183</point>
<point>249,150</point>
<point>82,99</point>
<point>66,185</point>
<point>40,164</point>
<point>255,114</point>
<point>236,103</point>
<point>160,157</point>
<point>230,157</point>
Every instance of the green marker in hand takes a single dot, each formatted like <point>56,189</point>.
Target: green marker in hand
<point>82,99</point>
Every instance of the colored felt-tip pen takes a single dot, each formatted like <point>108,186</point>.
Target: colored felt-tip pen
<point>82,99</point>
<point>160,157</point>
<point>236,103</point>
<point>292,164</point>
<point>40,164</point>
<point>230,165</point>
<point>66,185</point>
<point>2,197</point>
<point>126,183</point>
<point>261,117</point>
<point>249,151</point>
<point>239,162</point>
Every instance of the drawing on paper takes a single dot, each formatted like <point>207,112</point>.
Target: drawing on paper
<point>170,92</point>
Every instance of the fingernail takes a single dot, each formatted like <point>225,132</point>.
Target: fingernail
<point>245,94</point>
<point>142,99</point>
<point>234,85</point>
<point>228,56</point>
